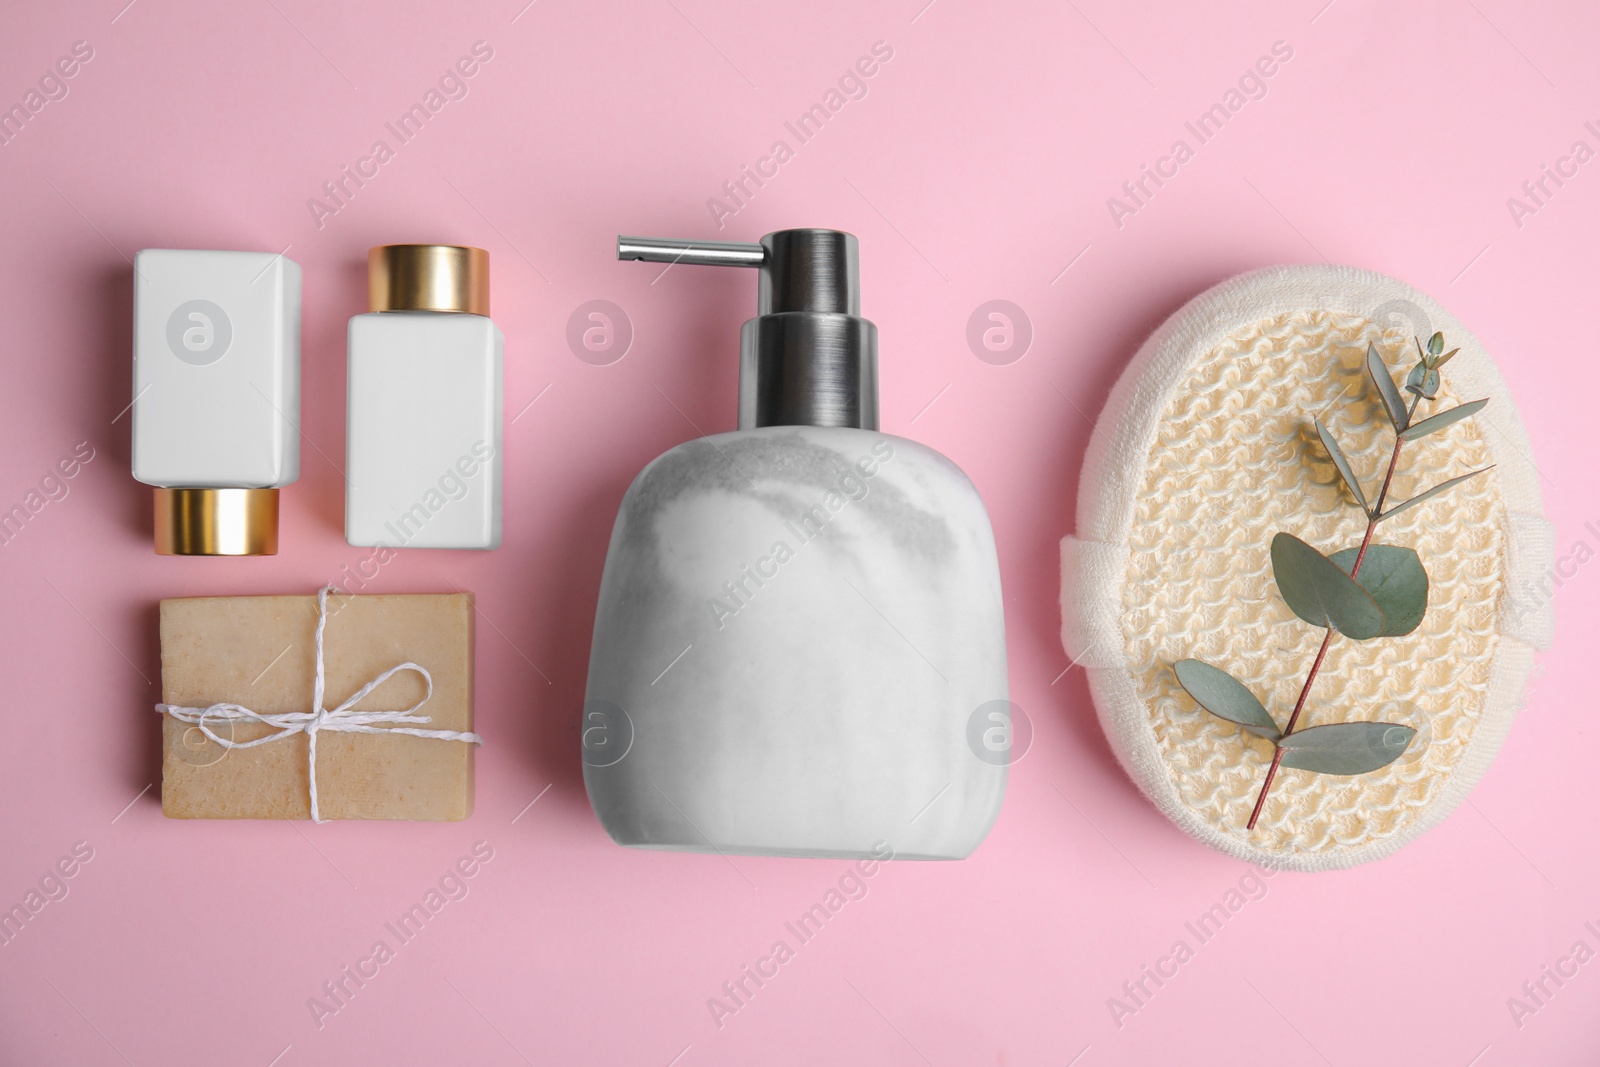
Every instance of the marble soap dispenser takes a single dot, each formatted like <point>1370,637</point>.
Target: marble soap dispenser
<point>800,624</point>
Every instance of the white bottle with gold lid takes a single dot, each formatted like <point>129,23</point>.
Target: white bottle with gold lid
<point>426,366</point>
<point>216,396</point>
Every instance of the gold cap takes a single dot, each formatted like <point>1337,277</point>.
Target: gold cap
<point>217,522</point>
<point>428,278</point>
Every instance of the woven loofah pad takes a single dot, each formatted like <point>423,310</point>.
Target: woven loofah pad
<point>1205,451</point>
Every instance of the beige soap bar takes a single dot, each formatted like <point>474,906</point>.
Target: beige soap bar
<point>259,652</point>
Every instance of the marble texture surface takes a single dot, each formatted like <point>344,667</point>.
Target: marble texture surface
<point>794,627</point>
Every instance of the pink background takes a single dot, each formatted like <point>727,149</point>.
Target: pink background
<point>977,167</point>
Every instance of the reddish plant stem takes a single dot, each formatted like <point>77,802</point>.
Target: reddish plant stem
<point>1277,756</point>
<point>1327,638</point>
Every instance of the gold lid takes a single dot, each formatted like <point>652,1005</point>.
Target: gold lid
<point>217,522</point>
<point>428,278</point>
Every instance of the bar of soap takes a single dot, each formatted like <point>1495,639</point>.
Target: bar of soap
<point>259,652</point>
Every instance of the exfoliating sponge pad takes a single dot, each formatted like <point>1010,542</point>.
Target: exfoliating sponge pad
<point>1205,450</point>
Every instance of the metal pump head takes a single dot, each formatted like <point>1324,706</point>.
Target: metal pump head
<point>808,358</point>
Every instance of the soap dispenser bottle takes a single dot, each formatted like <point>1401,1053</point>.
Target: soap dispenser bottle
<point>800,621</point>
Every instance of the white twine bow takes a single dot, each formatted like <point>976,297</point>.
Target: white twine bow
<point>342,719</point>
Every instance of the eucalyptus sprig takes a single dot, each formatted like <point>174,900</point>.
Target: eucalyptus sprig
<point>1366,592</point>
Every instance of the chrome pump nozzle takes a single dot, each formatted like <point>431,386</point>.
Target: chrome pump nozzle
<point>808,358</point>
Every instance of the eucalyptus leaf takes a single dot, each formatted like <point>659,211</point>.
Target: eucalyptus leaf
<point>1392,401</point>
<point>1346,748</point>
<point>1423,381</point>
<point>1336,454</point>
<point>1436,344</point>
<point>1320,593</point>
<point>1435,491</point>
<point>1225,696</point>
<point>1397,581</point>
<point>1446,358</point>
<point>1438,422</point>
